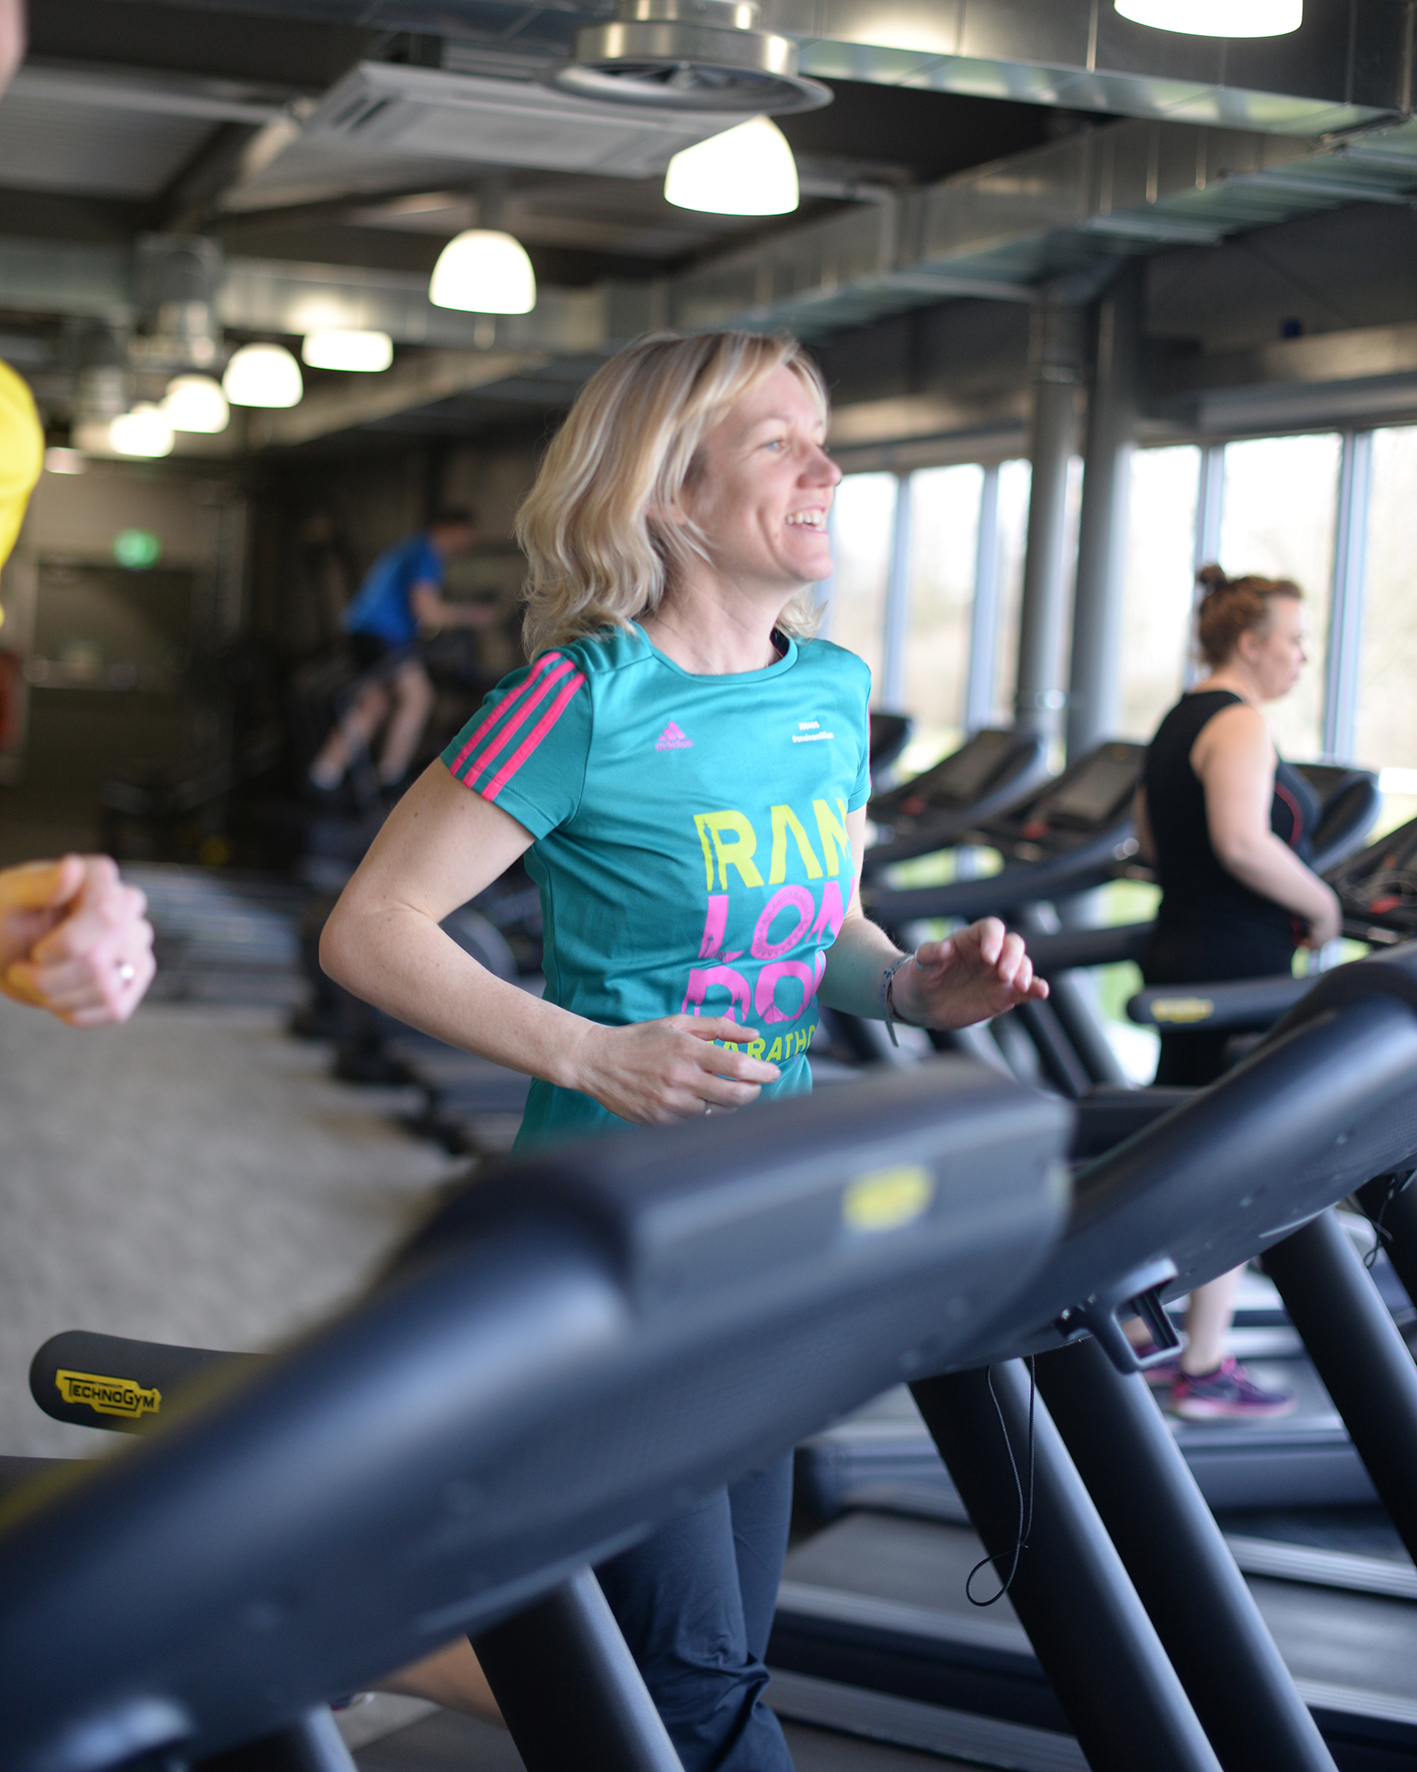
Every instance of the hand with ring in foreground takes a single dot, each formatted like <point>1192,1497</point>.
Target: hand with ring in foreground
<point>656,1072</point>
<point>972,975</point>
<point>74,940</point>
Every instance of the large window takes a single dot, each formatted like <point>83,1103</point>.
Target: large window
<point>1387,684</point>
<point>1281,498</point>
<point>1158,587</point>
<point>944,546</point>
<point>863,519</point>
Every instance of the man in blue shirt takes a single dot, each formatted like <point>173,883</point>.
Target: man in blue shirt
<point>401,593</point>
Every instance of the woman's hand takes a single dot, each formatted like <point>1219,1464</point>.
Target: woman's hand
<point>74,940</point>
<point>657,1072</point>
<point>976,973</point>
<point>1327,925</point>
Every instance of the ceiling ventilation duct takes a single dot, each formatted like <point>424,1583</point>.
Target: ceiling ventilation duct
<point>688,55</point>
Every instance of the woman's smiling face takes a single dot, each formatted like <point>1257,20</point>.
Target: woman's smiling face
<point>763,487</point>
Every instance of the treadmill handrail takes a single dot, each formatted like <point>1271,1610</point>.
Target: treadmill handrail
<point>1323,1104</point>
<point>1248,1004</point>
<point>585,1342</point>
<point>1072,950</point>
<point>1052,878</point>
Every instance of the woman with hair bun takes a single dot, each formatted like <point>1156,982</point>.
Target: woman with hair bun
<point>1227,825</point>
<point>685,768</point>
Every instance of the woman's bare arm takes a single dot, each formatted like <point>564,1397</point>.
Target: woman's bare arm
<point>441,846</point>
<point>1234,760</point>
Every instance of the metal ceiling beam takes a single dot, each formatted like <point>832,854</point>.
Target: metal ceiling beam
<point>154,94</point>
<point>1068,210</point>
<point>414,382</point>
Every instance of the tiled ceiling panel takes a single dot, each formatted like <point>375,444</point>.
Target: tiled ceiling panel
<point>94,149</point>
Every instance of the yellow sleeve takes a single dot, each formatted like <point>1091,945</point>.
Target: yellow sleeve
<point>21,455</point>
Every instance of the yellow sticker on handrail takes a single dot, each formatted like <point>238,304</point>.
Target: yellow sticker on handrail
<point>888,1198</point>
<point>1182,1008</point>
<point>107,1396</point>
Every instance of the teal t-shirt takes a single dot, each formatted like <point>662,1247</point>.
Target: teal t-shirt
<point>690,836</point>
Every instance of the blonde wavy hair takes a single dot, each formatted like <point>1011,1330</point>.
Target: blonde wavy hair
<point>598,552</point>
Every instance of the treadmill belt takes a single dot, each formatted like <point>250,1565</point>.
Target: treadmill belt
<point>875,1604</point>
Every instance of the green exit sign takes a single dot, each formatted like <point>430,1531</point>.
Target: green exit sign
<point>136,549</point>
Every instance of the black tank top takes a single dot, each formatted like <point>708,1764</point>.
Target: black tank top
<point>1211,925</point>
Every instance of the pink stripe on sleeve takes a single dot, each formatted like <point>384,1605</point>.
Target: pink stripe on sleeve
<point>532,739</point>
<point>505,706</point>
<point>504,734</point>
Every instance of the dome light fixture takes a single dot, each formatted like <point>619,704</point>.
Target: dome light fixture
<point>145,431</point>
<point>483,271</point>
<point>337,347</point>
<point>196,403</point>
<point>263,375</point>
<point>748,170</point>
<point>1217,18</point>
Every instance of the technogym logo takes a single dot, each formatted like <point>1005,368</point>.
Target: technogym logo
<point>107,1396</point>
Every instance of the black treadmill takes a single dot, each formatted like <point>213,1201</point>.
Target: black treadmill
<point>1350,802</point>
<point>571,1349</point>
<point>991,771</point>
<point>580,1344</point>
<point>876,1633</point>
<point>1072,1043</point>
<point>1067,838</point>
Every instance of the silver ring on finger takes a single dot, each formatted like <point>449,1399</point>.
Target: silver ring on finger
<point>127,972</point>
<point>707,1109</point>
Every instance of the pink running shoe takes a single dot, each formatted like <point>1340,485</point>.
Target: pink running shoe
<point>1164,1373</point>
<point>1227,1394</point>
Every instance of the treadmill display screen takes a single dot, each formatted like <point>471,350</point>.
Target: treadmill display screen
<point>960,778</point>
<point>1095,795</point>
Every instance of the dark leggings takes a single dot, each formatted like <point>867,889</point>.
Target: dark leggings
<point>695,1603</point>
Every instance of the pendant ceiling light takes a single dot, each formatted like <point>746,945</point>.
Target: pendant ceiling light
<point>484,271</point>
<point>196,403</point>
<point>263,375</point>
<point>145,431</point>
<point>1217,18</point>
<point>333,347</point>
<point>748,170</point>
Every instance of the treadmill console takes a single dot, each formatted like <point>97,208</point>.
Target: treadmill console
<point>1100,792</point>
<point>1090,800</point>
<point>956,782</point>
<point>1378,889</point>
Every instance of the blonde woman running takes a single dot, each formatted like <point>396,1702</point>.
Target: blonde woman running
<point>685,769</point>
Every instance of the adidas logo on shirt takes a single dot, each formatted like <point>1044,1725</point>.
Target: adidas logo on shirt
<point>672,739</point>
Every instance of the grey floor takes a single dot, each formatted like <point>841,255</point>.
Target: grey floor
<point>194,1176</point>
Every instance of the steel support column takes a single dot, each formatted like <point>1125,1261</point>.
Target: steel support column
<point>1350,573</point>
<point>1210,511</point>
<point>1180,1565</point>
<point>1057,357</point>
<point>1095,670</point>
<point>984,611</point>
<point>892,694</point>
<point>1072,1595</point>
